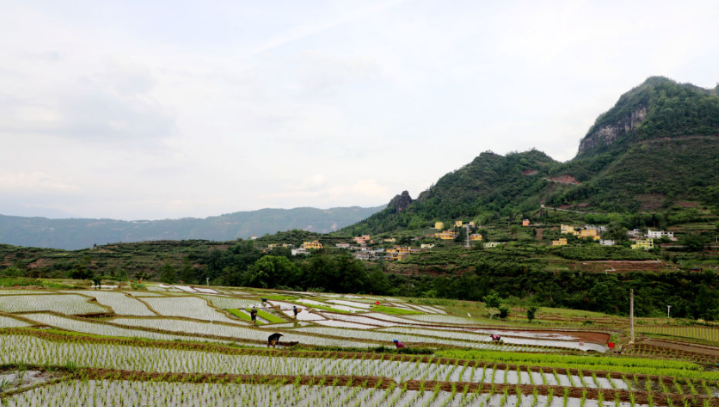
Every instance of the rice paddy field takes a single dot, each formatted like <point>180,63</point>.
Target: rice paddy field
<point>198,346</point>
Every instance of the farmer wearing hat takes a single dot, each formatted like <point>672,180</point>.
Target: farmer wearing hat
<point>273,339</point>
<point>398,344</point>
<point>253,315</point>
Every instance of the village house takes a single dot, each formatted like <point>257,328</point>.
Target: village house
<point>446,235</point>
<point>342,245</point>
<point>491,245</point>
<point>597,228</point>
<point>525,222</point>
<point>390,240</point>
<point>297,252</point>
<point>606,242</point>
<point>475,237</point>
<point>588,233</point>
<point>253,237</point>
<point>315,244</point>
<point>439,225</point>
<point>635,232</point>
<point>458,223</point>
<point>560,242</point>
<point>567,229</point>
<point>426,245</point>
<point>472,224</point>
<point>366,255</point>
<point>658,234</point>
<point>646,244</point>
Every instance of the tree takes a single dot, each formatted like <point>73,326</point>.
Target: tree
<point>271,271</point>
<point>531,311</point>
<point>693,242</point>
<point>168,274</point>
<point>13,271</point>
<point>514,230</point>
<point>491,301</point>
<point>504,312</point>
<point>187,273</point>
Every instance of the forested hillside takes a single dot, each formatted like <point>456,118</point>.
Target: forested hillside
<point>657,146</point>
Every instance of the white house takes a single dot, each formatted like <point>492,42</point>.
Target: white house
<point>343,245</point>
<point>658,234</point>
<point>489,245</point>
<point>426,245</point>
<point>301,250</point>
<point>606,242</point>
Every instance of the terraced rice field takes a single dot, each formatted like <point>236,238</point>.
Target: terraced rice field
<point>176,346</point>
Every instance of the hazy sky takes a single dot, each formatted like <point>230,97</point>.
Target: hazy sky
<point>164,109</point>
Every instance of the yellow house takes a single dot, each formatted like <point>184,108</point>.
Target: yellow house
<point>426,245</point>
<point>446,235</point>
<point>273,246</point>
<point>458,223</point>
<point>390,240</point>
<point>587,233</point>
<point>475,236</point>
<point>568,229</point>
<point>646,244</point>
<point>439,225</point>
<point>597,237</point>
<point>472,224</point>
<point>560,242</point>
<point>312,245</point>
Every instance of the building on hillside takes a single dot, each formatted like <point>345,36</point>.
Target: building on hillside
<point>587,233</point>
<point>315,244</point>
<point>398,253</point>
<point>253,237</point>
<point>426,245</point>
<point>490,245</point>
<point>439,225</point>
<point>525,222</point>
<point>560,242</point>
<point>446,235</point>
<point>635,232</point>
<point>599,229</point>
<point>366,255</point>
<point>658,234</point>
<point>472,224</point>
<point>567,229</point>
<point>342,245</point>
<point>606,242</point>
<point>300,251</point>
<point>458,223</point>
<point>390,240</point>
<point>273,246</point>
<point>475,237</point>
<point>646,244</point>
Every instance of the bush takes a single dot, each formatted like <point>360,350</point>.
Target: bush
<point>504,312</point>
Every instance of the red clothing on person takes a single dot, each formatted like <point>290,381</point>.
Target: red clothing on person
<point>399,345</point>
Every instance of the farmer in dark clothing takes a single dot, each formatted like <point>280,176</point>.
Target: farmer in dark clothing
<point>273,339</point>
<point>264,302</point>
<point>295,310</point>
<point>253,315</point>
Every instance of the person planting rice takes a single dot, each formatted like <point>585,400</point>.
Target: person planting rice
<point>253,315</point>
<point>496,338</point>
<point>273,339</point>
<point>398,344</point>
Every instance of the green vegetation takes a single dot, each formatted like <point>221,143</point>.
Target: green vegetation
<point>273,319</point>
<point>241,315</point>
<point>395,311</point>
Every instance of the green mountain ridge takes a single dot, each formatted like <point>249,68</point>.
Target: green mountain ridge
<point>657,146</point>
<point>74,234</point>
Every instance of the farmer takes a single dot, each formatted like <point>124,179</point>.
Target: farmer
<point>253,315</point>
<point>495,338</point>
<point>264,302</point>
<point>295,310</point>
<point>273,339</point>
<point>398,344</point>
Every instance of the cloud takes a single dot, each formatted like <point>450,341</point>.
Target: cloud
<point>34,182</point>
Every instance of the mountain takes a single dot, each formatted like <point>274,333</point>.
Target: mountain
<point>81,233</point>
<point>658,145</point>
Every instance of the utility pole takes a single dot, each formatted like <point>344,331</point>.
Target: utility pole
<point>466,228</point>
<point>208,281</point>
<point>631,314</point>
<point>668,308</point>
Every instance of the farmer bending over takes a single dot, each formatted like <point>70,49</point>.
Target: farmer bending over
<point>273,339</point>
<point>253,315</point>
<point>398,344</point>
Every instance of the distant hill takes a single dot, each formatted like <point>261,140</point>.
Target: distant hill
<point>81,233</point>
<point>657,146</point>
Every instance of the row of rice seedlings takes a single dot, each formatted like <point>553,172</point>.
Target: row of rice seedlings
<point>120,303</point>
<point>188,307</point>
<point>63,303</point>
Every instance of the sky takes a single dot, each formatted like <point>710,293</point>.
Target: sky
<point>169,109</point>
